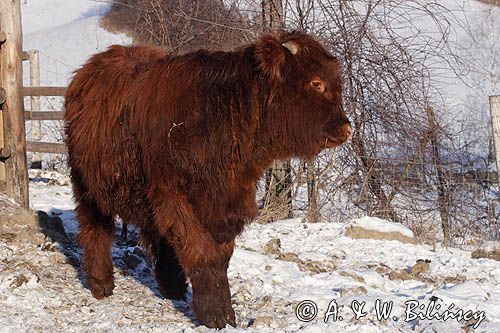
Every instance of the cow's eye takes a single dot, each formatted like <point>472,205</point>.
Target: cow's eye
<point>318,85</point>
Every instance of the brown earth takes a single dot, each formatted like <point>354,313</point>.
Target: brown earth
<point>17,224</point>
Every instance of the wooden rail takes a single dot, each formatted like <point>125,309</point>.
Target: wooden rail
<point>46,147</point>
<point>44,91</point>
<point>43,115</point>
<point>35,115</point>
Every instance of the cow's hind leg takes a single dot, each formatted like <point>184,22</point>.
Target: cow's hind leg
<point>96,236</point>
<point>168,272</point>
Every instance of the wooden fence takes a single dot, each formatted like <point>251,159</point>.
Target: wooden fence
<point>35,115</point>
<point>13,145</point>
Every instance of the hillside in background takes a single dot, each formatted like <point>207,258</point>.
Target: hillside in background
<point>66,33</point>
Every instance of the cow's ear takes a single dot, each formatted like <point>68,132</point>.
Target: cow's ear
<point>271,56</point>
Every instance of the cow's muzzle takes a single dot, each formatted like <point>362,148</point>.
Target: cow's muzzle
<point>337,135</point>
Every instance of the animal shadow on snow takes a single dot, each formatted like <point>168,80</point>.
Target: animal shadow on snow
<point>129,259</point>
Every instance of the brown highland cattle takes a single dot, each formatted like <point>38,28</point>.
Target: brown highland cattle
<point>176,144</point>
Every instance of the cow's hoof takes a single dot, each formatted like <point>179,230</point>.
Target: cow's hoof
<point>101,288</point>
<point>214,314</point>
<point>217,319</point>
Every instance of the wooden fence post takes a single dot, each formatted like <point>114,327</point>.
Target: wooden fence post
<point>13,109</point>
<point>312,192</point>
<point>442,189</point>
<point>2,101</point>
<point>495,123</point>
<point>36,128</point>
<point>2,161</point>
<point>2,145</point>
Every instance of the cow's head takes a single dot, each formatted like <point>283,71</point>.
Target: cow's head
<point>305,103</point>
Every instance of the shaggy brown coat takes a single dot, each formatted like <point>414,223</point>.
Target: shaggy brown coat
<point>176,145</point>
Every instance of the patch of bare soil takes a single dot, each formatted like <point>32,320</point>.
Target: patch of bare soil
<point>420,271</point>
<point>18,225</point>
<point>273,249</point>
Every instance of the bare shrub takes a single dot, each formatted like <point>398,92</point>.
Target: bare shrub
<point>179,26</point>
<point>409,160</point>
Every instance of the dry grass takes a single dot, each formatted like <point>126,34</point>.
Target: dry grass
<point>490,2</point>
<point>361,233</point>
<point>495,254</point>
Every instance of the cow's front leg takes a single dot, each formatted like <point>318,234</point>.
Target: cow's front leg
<point>211,295</point>
<point>204,261</point>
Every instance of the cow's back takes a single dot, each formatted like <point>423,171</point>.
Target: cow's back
<point>104,155</point>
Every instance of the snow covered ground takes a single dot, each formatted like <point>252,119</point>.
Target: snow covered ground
<point>275,267</point>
